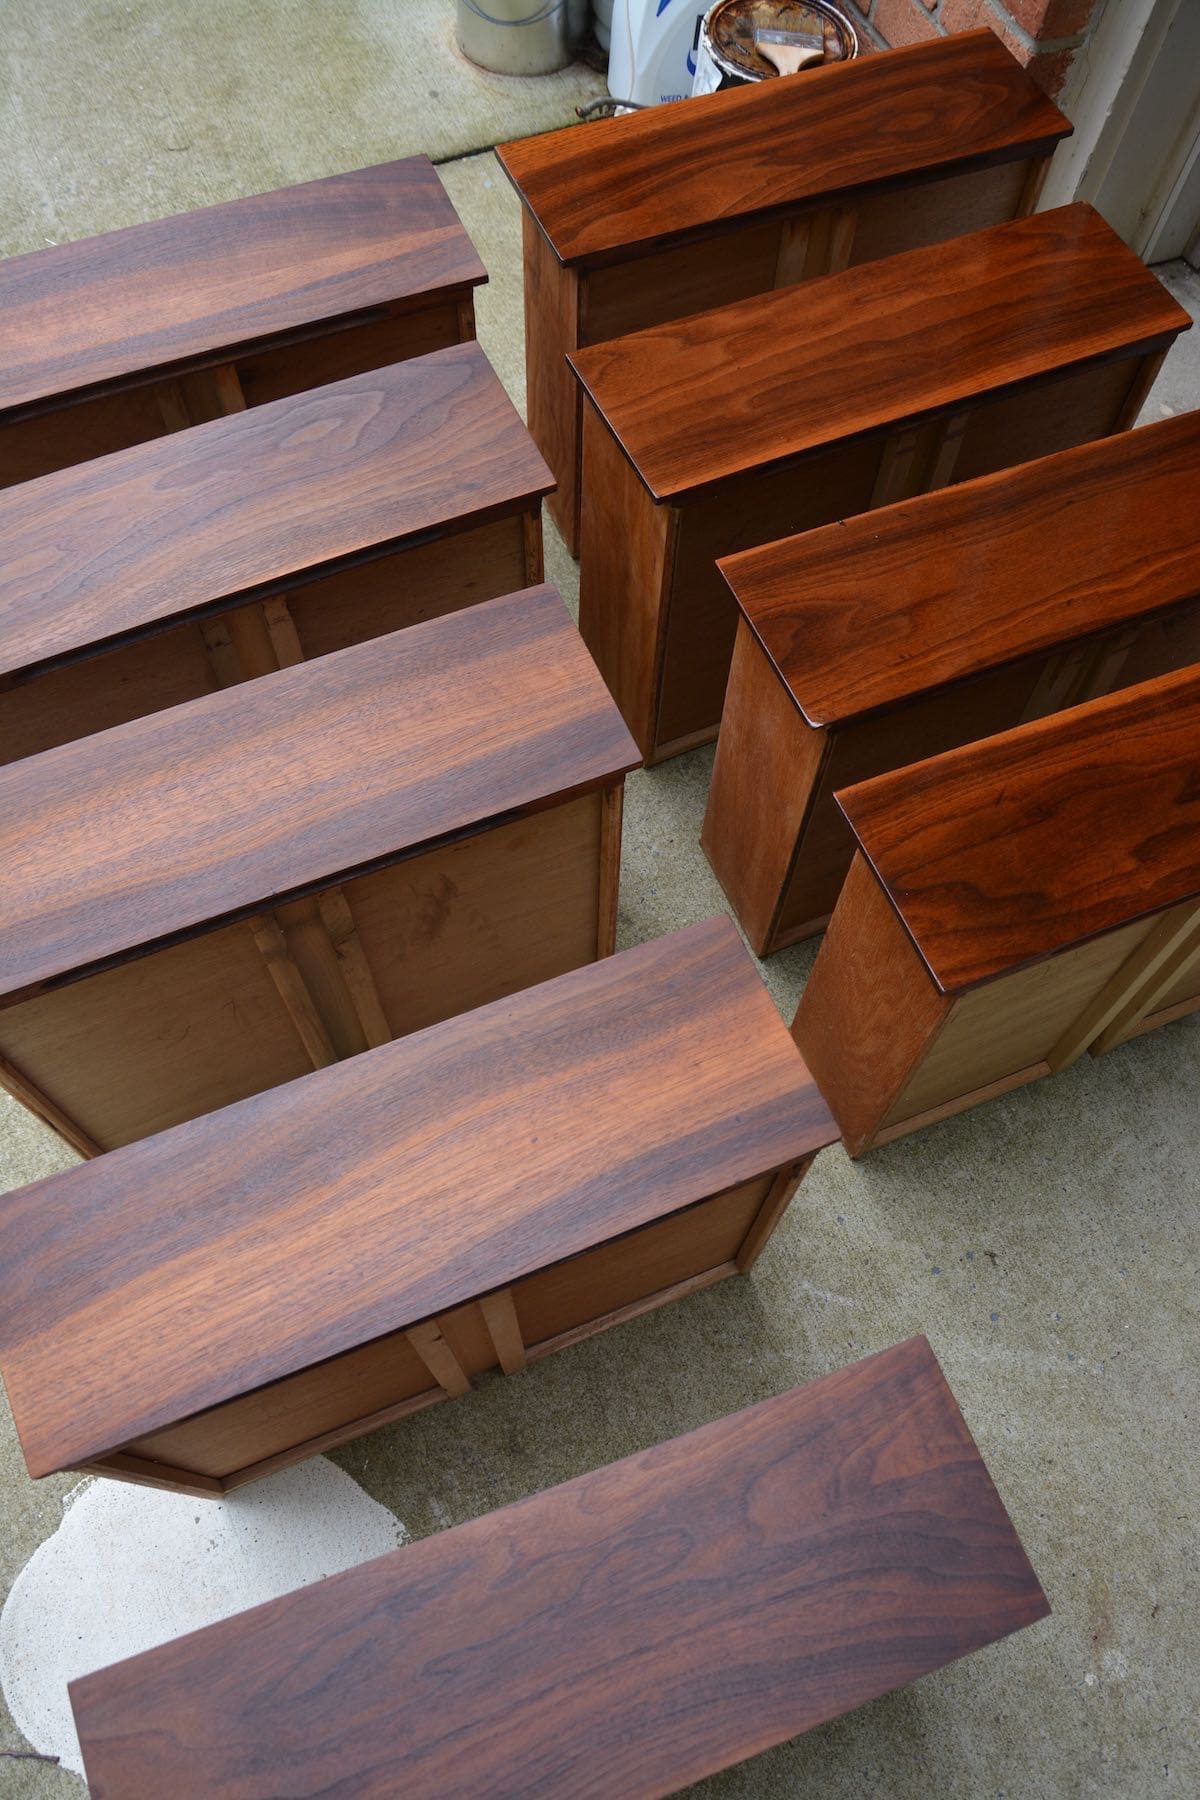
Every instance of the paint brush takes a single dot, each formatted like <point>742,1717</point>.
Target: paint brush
<point>789,50</point>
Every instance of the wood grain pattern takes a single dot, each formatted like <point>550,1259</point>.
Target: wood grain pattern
<point>697,401</point>
<point>646,179</point>
<point>869,1011</point>
<point>767,767</point>
<point>633,1630</point>
<point>883,640</point>
<point>1003,1031</point>
<point>249,795</point>
<point>1007,851</point>
<point>1166,969</point>
<point>871,611</point>
<point>380,1382</point>
<point>109,309</point>
<point>169,1035</point>
<point>255,502</point>
<point>380,1192</point>
<point>627,551</point>
<point>746,212</point>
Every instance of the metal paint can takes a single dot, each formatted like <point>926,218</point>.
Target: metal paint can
<point>515,37</point>
<point>725,53</point>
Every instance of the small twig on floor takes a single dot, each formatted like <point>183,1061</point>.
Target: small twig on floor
<point>28,1756</point>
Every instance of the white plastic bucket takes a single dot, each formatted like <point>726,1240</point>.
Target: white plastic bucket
<point>515,37</point>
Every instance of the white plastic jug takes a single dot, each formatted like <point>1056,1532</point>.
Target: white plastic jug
<point>653,53</point>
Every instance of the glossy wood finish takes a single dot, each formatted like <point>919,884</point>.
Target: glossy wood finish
<point>360,507</point>
<point>774,416</point>
<point>256,292</point>
<point>453,1187</point>
<point>891,637</point>
<point>650,178</point>
<point>650,217</point>
<point>175,884</point>
<point>1015,903</point>
<point>694,403</point>
<point>635,1629</point>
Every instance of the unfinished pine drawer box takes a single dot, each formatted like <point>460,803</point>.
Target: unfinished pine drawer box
<point>115,339</point>
<point>360,1243</point>
<point>623,1635</point>
<point>890,637</point>
<point>176,567</point>
<point>1012,904</point>
<point>794,409</point>
<point>646,218</point>
<point>217,898</point>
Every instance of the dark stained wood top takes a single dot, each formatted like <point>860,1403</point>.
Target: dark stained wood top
<point>756,383</point>
<point>108,548</point>
<point>622,1635</point>
<point>161,826</point>
<point>866,613</point>
<point>109,308</point>
<point>1001,853</point>
<point>325,1213</point>
<point>631,183</point>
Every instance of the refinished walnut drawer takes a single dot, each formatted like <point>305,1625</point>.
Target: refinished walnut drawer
<point>798,408</point>
<point>243,545</point>
<point>115,339</point>
<point>637,220</point>
<point>891,637</point>
<point>259,1284</point>
<point>1013,903</point>
<point>209,901</point>
<point>623,1635</point>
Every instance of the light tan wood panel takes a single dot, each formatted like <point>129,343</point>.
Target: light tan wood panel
<point>1187,987</point>
<point>1010,1024</point>
<point>466,1332</point>
<point>617,1274</point>
<point>302,1406</point>
<point>484,917</point>
<point>936,211</point>
<point>422,582</point>
<point>137,1048</point>
<point>1180,997</point>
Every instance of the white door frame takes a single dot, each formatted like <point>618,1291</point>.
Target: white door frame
<point>1133,94</point>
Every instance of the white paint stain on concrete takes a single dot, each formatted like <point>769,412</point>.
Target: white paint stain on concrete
<point>129,1568</point>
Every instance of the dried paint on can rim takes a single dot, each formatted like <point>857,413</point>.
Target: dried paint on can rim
<point>725,54</point>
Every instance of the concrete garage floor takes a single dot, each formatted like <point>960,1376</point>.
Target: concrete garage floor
<point>1045,1243</point>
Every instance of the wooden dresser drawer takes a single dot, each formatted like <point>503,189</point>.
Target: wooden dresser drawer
<point>798,408</point>
<point>116,339</point>
<point>635,221</point>
<point>364,1241</point>
<point>217,898</point>
<point>625,1634</point>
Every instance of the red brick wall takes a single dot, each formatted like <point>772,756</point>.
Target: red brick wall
<point>1043,34</point>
